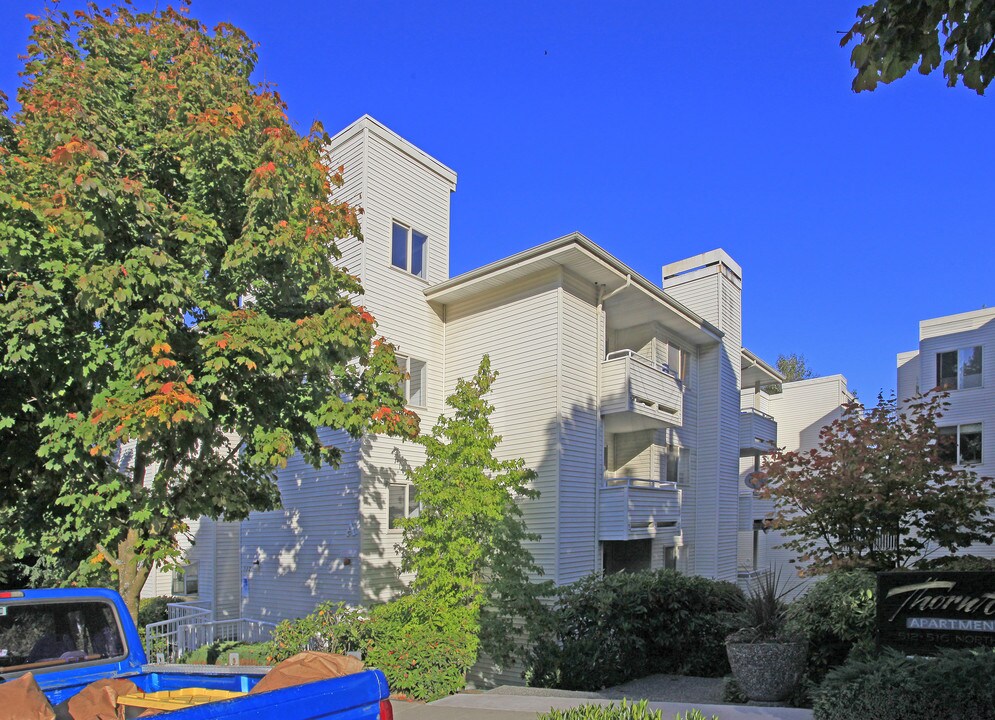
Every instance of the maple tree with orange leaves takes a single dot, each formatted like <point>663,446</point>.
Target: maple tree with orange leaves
<point>174,324</point>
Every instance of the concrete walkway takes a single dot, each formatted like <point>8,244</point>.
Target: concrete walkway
<point>506,706</point>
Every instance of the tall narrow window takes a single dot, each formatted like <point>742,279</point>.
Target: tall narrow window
<point>408,249</point>
<point>959,369</point>
<point>677,361</point>
<point>413,387</point>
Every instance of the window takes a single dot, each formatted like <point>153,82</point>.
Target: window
<point>407,249</point>
<point>959,369</point>
<point>669,557</point>
<point>402,502</point>
<point>185,580</point>
<point>678,465</point>
<point>414,385</point>
<point>677,361</point>
<point>961,444</point>
<point>51,634</point>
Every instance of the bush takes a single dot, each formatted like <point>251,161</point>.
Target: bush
<point>217,653</point>
<point>331,627</point>
<point>836,615</point>
<point>958,563</point>
<point>956,684</point>
<point>153,610</point>
<point>606,630</point>
<point>424,650</point>
<point>625,711</point>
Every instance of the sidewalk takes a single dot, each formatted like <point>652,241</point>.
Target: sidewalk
<point>503,706</point>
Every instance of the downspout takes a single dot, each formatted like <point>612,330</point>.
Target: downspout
<point>599,447</point>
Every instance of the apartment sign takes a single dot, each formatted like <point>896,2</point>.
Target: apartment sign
<point>921,612</point>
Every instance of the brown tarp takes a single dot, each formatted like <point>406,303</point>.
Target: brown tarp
<point>307,667</point>
<point>98,700</point>
<point>22,699</point>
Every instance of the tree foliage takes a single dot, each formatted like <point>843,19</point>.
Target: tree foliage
<point>794,367</point>
<point>465,546</point>
<point>892,36</point>
<point>173,322</point>
<point>877,491</point>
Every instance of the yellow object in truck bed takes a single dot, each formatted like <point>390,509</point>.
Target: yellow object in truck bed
<point>176,699</point>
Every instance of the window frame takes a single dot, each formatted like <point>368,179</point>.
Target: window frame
<point>410,502</point>
<point>409,248</point>
<point>959,354</point>
<point>181,581</point>
<point>404,362</point>
<point>956,433</point>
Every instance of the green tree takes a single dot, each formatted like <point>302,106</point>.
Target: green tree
<point>892,36</point>
<point>879,490</point>
<point>465,546</point>
<point>173,323</point>
<point>793,367</point>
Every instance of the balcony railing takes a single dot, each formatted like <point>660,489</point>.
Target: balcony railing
<point>757,431</point>
<point>638,395</point>
<point>635,508</point>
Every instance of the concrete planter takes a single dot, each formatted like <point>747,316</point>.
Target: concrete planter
<point>767,671</point>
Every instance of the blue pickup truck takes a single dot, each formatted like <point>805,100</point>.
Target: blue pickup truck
<point>69,638</point>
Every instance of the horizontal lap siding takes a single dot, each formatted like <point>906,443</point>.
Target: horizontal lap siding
<point>401,189</point>
<point>581,448</point>
<point>967,405</point>
<point>518,330</point>
<point>349,155</point>
<point>302,549</point>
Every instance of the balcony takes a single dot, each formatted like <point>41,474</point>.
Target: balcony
<point>637,509</point>
<point>638,395</point>
<point>757,432</point>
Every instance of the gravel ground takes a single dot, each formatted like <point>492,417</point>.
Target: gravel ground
<point>655,688</point>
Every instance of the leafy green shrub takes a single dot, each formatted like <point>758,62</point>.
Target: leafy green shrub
<point>153,610</point>
<point>606,630</point>
<point>625,711</point>
<point>217,653</point>
<point>836,615</point>
<point>424,649</point>
<point>956,684</point>
<point>958,563</point>
<point>331,627</point>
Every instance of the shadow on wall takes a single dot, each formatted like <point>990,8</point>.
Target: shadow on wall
<point>291,559</point>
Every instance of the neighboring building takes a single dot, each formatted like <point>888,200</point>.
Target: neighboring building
<point>957,354</point>
<point>800,410</point>
<point>634,402</point>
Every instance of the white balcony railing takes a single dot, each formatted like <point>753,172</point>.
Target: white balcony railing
<point>638,395</point>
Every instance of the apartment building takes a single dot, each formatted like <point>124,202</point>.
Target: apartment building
<point>634,402</point>
<point>956,354</point>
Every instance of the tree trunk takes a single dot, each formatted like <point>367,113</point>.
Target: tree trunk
<point>132,572</point>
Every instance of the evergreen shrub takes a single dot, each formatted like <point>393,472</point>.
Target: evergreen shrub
<point>891,686</point>
<point>835,616</point>
<point>606,630</point>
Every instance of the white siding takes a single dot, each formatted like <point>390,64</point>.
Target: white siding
<point>308,551</point>
<point>714,293</point>
<point>518,329</point>
<point>581,446</point>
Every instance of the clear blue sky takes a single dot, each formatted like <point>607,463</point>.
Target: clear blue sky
<point>661,130</point>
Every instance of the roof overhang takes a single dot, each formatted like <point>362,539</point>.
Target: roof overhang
<point>629,298</point>
<point>757,372</point>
